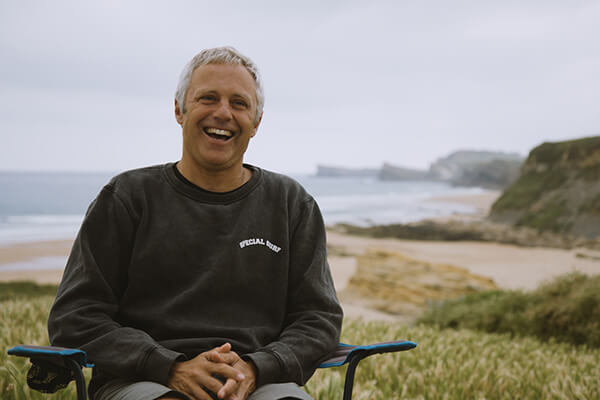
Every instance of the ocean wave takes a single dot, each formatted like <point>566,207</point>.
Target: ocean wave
<point>31,228</point>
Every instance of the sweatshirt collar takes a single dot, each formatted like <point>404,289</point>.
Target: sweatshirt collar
<point>184,186</point>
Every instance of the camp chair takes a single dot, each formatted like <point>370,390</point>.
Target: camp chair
<point>54,367</point>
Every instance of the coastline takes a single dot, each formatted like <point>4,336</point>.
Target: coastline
<point>41,262</point>
<point>479,202</point>
<point>509,266</point>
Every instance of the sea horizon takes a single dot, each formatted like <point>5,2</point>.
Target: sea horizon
<point>49,205</point>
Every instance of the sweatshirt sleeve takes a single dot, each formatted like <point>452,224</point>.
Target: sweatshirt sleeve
<point>314,316</point>
<point>85,312</point>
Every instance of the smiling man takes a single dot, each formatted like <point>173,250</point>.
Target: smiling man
<point>205,278</point>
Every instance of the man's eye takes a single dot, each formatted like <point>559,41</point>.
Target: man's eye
<point>240,103</point>
<point>207,97</point>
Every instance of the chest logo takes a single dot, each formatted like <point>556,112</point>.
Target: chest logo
<point>259,242</point>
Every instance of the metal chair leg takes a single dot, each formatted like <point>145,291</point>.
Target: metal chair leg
<point>79,378</point>
<point>349,381</point>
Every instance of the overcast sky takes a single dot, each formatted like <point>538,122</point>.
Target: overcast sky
<point>88,85</point>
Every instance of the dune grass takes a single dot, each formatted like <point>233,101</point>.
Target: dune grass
<point>566,309</point>
<point>25,289</point>
<point>447,364</point>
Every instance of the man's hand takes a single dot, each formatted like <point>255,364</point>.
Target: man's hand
<point>197,375</point>
<point>239,390</point>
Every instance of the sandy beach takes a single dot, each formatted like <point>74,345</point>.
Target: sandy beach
<point>509,266</point>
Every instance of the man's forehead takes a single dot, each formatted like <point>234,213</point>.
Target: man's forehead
<point>230,72</point>
<point>234,78</point>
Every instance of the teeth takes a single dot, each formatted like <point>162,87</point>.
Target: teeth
<point>220,132</point>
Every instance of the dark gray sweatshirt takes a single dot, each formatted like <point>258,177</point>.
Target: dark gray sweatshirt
<point>162,270</point>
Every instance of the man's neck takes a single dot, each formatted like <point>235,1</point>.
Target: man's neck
<point>217,181</point>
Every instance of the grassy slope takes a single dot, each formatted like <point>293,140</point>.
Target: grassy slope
<point>545,195</point>
<point>566,309</point>
<point>448,364</point>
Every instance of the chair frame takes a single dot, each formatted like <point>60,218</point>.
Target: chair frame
<point>75,360</point>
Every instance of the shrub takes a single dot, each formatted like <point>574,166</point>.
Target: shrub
<point>567,309</point>
<point>20,289</point>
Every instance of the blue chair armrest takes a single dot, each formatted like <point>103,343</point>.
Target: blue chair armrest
<point>53,367</point>
<point>50,353</point>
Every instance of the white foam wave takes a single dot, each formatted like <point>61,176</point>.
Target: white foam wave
<point>41,263</point>
<point>31,228</point>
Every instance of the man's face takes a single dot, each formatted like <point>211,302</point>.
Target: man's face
<point>219,120</point>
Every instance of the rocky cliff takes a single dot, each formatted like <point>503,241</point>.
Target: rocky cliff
<point>558,190</point>
<point>391,172</point>
<point>492,170</point>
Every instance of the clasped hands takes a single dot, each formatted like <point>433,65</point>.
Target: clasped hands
<point>207,372</point>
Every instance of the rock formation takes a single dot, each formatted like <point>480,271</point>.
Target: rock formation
<point>492,170</point>
<point>391,282</point>
<point>558,190</point>
<point>391,172</point>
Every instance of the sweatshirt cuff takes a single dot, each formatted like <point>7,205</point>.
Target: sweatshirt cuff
<point>158,364</point>
<point>268,367</point>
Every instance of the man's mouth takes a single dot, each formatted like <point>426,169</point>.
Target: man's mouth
<point>220,134</point>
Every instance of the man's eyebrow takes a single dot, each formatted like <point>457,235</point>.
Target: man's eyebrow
<point>243,96</point>
<point>200,91</point>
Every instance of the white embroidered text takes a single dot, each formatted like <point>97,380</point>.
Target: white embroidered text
<point>259,241</point>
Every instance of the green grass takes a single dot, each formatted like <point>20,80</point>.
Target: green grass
<point>567,152</point>
<point>547,217</point>
<point>447,364</point>
<point>528,188</point>
<point>542,197</point>
<point>566,309</point>
<point>423,231</point>
<point>11,290</point>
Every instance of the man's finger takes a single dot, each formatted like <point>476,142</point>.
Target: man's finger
<point>215,356</point>
<point>227,372</point>
<point>199,394</point>
<point>212,384</point>
<point>224,348</point>
<point>228,388</point>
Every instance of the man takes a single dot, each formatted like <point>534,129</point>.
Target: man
<point>205,278</point>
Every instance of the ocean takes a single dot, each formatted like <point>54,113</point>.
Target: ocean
<point>37,206</point>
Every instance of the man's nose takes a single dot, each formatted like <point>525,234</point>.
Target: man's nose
<point>223,111</point>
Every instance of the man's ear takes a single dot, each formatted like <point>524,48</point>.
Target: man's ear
<point>256,125</point>
<point>178,114</point>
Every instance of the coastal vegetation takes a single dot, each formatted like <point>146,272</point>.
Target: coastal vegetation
<point>474,230</point>
<point>25,289</point>
<point>565,309</point>
<point>558,190</point>
<point>447,364</point>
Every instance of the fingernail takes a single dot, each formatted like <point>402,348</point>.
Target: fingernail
<point>241,377</point>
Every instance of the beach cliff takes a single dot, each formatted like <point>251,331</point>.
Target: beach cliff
<point>558,190</point>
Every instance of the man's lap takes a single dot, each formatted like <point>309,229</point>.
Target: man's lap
<point>120,389</point>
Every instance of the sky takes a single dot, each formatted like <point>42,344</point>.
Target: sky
<point>88,85</point>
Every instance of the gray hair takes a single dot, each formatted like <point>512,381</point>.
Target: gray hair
<point>220,55</point>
